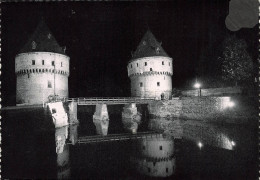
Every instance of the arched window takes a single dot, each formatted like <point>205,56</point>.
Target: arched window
<point>33,70</point>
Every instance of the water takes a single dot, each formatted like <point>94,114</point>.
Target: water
<point>29,151</point>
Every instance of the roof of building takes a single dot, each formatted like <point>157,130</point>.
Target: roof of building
<point>148,47</point>
<point>42,40</point>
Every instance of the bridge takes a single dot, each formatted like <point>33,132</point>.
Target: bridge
<point>104,100</point>
<point>116,137</point>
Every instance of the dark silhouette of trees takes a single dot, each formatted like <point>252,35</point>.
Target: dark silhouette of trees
<point>236,63</point>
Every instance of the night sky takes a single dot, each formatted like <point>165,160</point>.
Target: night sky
<point>100,36</point>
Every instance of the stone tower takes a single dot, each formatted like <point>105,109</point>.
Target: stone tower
<point>150,69</point>
<point>42,68</point>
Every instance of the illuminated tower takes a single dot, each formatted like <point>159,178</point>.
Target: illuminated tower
<point>150,70</point>
<point>42,68</point>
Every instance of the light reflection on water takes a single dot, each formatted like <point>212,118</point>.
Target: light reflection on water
<point>46,152</point>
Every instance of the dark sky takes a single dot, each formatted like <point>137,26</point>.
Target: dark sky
<point>100,36</point>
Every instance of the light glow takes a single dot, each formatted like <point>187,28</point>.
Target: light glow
<point>233,143</point>
<point>200,145</point>
<point>231,104</point>
<point>197,85</point>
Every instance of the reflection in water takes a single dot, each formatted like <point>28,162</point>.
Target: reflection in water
<point>62,149</point>
<point>34,150</point>
<point>200,132</point>
<point>154,156</point>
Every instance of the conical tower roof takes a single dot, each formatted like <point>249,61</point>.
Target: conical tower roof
<point>42,40</point>
<point>148,47</point>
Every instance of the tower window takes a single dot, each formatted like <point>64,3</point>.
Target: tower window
<point>151,69</point>
<point>28,75</point>
<point>42,62</point>
<point>33,62</point>
<point>61,64</point>
<point>49,84</point>
<point>131,66</point>
<point>162,62</point>
<point>149,169</point>
<point>154,163</point>
<point>157,50</point>
<point>145,63</point>
<point>143,147</point>
<point>158,83</point>
<point>52,63</point>
<point>137,64</point>
<point>160,147</point>
<point>141,84</point>
<point>34,45</point>
<point>166,170</point>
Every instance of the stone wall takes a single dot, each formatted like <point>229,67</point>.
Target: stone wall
<point>149,86</point>
<point>213,91</point>
<point>36,76</point>
<point>151,76</point>
<point>211,109</point>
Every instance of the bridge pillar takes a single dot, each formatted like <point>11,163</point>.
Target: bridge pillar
<point>131,117</point>
<point>62,150</point>
<point>58,113</point>
<point>73,133</point>
<point>101,119</point>
<point>73,112</point>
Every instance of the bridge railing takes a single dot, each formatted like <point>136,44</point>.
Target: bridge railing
<point>110,100</point>
<point>115,100</point>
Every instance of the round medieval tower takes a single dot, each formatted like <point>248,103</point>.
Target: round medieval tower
<point>42,68</point>
<point>150,70</point>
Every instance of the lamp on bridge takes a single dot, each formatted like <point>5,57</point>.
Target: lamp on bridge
<point>198,86</point>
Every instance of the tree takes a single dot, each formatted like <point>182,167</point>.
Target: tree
<point>236,64</point>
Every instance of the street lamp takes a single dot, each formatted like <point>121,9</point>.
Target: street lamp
<point>200,145</point>
<point>198,86</point>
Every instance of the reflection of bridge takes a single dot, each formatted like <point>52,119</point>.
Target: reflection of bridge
<point>117,137</point>
<point>106,100</point>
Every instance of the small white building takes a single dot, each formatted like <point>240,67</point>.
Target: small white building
<point>150,70</point>
<point>42,68</point>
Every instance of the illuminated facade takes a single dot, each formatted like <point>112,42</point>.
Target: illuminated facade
<point>150,70</point>
<point>42,68</point>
